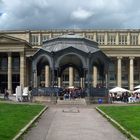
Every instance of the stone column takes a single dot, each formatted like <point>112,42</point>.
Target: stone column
<point>119,72</point>
<point>71,82</point>
<point>106,80</point>
<point>81,82</point>
<point>94,37</point>
<point>139,39</point>
<point>59,81</point>
<point>94,76</point>
<point>128,38</point>
<point>131,73</point>
<point>39,39</point>
<point>84,34</point>
<point>27,36</point>
<point>9,73</point>
<point>35,77</point>
<point>47,75</point>
<point>22,69</point>
<point>105,38</point>
<point>117,38</point>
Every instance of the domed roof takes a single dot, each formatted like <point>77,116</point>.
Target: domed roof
<point>70,40</point>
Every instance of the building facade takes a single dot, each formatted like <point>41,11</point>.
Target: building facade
<point>18,47</point>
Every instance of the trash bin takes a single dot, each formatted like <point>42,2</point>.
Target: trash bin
<point>100,100</point>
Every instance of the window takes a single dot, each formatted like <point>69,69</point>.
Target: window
<point>45,37</point>
<point>135,63</point>
<point>124,65</point>
<point>16,63</point>
<point>112,66</point>
<point>112,71</point>
<point>136,76</point>
<point>35,40</point>
<point>89,37</point>
<point>100,39</point>
<point>122,39</point>
<point>134,39</point>
<point>112,76</point>
<point>125,77</point>
<point>4,63</point>
<point>111,39</point>
<point>55,35</point>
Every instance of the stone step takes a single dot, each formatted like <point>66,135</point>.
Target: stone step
<point>72,102</point>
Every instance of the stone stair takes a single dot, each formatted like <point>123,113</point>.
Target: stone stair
<point>72,102</point>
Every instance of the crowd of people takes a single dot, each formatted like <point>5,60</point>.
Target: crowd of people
<point>124,97</point>
<point>72,93</point>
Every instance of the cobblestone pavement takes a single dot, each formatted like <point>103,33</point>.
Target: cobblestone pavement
<point>73,123</point>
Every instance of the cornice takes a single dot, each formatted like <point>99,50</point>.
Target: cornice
<point>69,30</point>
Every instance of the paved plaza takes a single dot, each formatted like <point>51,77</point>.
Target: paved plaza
<point>73,123</point>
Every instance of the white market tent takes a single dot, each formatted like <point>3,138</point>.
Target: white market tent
<point>137,87</point>
<point>118,90</point>
<point>137,91</point>
<point>71,87</point>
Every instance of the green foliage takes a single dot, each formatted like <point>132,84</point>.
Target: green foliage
<point>127,116</point>
<point>14,117</point>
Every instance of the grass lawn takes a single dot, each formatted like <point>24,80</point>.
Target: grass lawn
<point>127,116</point>
<point>14,117</point>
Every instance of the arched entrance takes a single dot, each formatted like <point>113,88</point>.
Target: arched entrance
<point>43,72</point>
<point>70,71</point>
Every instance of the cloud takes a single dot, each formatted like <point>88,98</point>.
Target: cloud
<point>46,14</point>
<point>81,14</point>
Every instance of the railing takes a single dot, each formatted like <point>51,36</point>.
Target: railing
<point>46,91</point>
<point>98,92</point>
<point>55,91</point>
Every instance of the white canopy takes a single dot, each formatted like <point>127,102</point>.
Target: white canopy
<point>71,87</point>
<point>137,86</point>
<point>137,91</point>
<point>118,90</point>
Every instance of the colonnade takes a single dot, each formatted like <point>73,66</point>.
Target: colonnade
<point>22,71</point>
<point>131,72</point>
<point>71,77</point>
<point>95,75</point>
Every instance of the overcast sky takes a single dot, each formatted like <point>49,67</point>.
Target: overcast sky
<point>50,14</point>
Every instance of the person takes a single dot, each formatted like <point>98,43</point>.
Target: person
<point>110,98</point>
<point>6,95</point>
<point>30,94</point>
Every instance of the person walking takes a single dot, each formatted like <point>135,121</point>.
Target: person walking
<point>6,94</point>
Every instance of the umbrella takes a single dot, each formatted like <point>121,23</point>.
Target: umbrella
<point>118,90</point>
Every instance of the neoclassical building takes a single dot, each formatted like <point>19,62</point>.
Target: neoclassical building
<point>49,57</point>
